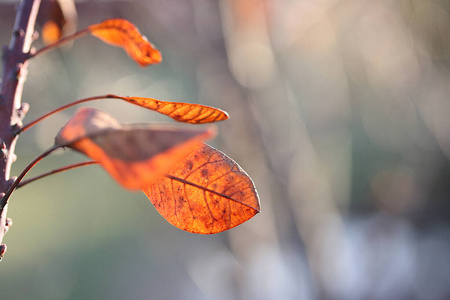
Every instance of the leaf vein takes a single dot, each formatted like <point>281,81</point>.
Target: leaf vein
<point>206,117</point>
<point>211,191</point>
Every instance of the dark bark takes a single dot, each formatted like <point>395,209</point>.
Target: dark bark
<point>11,109</point>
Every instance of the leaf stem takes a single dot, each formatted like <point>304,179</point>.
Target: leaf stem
<point>59,42</point>
<point>32,123</point>
<point>59,170</point>
<point>13,186</point>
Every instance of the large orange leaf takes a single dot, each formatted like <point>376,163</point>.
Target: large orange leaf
<point>122,33</point>
<point>181,112</point>
<point>134,155</point>
<point>206,192</point>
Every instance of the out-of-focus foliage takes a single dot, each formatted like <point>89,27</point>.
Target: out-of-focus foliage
<point>339,112</point>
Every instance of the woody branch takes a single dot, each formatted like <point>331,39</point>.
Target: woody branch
<point>11,109</point>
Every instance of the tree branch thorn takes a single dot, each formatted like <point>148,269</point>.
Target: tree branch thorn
<point>20,71</point>
<point>8,223</point>
<point>23,109</point>
<point>19,32</point>
<point>35,35</point>
<point>2,251</point>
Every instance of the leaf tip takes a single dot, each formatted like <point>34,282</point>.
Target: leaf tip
<point>153,56</point>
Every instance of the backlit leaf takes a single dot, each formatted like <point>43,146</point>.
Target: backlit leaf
<point>122,33</point>
<point>181,112</point>
<point>206,192</point>
<point>134,155</point>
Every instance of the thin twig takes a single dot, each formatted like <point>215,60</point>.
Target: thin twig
<point>59,170</point>
<point>59,42</point>
<point>13,186</point>
<point>32,123</point>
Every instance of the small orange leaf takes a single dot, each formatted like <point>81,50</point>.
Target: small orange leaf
<point>133,155</point>
<point>122,33</point>
<point>181,112</point>
<point>206,192</point>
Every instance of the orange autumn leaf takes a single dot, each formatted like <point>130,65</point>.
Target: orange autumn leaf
<point>181,112</point>
<point>133,155</point>
<point>122,33</point>
<point>206,192</point>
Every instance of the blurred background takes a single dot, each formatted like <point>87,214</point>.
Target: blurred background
<point>340,112</point>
